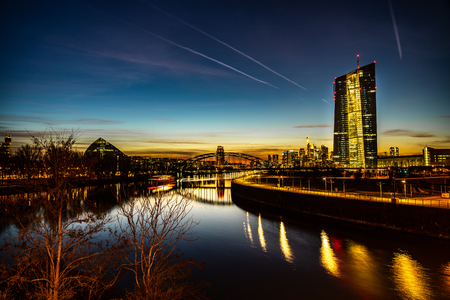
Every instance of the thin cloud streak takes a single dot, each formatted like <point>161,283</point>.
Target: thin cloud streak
<point>182,47</point>
<point>227,45</point>
<point>391,9</point>
<point>166,120</point>
<point>313,126</point>
<point>410,133</point>
<point>68,110</point>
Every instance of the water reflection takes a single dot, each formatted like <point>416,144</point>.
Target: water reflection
<point>445,270</point>
<point>410,278</point>
<point>363,269</point>
<point>208,195</point>
<point>262,241</point>
<point>285,245</point>
<point>249,231</point>
<point>327,257</point>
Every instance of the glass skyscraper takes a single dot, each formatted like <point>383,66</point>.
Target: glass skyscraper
<point>355,119</point>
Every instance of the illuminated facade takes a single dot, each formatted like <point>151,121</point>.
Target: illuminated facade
<point>355,119</point>
<point>393,151</point>
<point>108,159</point>
<point>436,157</point>
<point>5,148</point>
<point>101,148</point>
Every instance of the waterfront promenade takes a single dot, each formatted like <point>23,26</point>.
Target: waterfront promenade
<point>425,215</point>
<point>428,201</point>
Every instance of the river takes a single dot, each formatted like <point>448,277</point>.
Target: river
<point>256,254</point>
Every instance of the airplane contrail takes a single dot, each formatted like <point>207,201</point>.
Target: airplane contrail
<point>225,44</point>
<point>182,47</point>
<point>395,29</point>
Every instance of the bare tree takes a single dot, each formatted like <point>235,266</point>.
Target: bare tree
<point>152,227</point>
<point>57,252</point>
<point>26,160</point>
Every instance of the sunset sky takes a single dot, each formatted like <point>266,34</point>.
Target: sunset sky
<point>178,78</point>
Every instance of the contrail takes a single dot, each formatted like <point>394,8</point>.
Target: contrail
<point>225,44</point>
<point>182,47</point>
<point>395,29</point>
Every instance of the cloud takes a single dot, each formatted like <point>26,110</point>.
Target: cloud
<point>410,133</point>
<point>171,153</point>
<point>166,120</point>
<point>445,140</point>
<point>175,142</point>
<point>313,126</point>
<point>98,121</point>
<point>444,117</point>
<point>68,110</point>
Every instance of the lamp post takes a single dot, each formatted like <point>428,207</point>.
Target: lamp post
<point>404,186</point>
<point>331,185</point>
<point>325,180</point>
<point>380,184</point>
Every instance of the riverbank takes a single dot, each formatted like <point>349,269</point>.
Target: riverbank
<point>430,221</point>
<point>20,186</point>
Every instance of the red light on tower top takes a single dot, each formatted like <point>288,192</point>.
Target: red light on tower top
<point>357,60</point>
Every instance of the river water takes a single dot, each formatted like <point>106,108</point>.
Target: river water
<point>256,254</point>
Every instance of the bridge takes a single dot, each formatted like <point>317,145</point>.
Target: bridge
<point>220,155</point>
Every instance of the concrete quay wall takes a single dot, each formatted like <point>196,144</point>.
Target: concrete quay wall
<point>430,221</point>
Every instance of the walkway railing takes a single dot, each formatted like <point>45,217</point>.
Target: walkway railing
<point>440,203</point>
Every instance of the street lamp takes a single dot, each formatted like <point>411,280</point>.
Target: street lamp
<point>325,180</point>
<point>404,186</point>
<point>380,184</point>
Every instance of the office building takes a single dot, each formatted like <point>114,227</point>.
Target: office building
<point>436,157</point>
<point>5,153</point>
<point>355,119</point>
<point>393,151</point>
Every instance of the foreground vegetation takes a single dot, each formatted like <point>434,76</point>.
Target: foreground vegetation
<point>65,247</point>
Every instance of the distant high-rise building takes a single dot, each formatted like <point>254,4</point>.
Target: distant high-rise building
<point>5,148</point>
<point>5,152</point>
<point>393,151</point>
<point>355,119</point>
<point>220,156</point>
<point>275,159</point>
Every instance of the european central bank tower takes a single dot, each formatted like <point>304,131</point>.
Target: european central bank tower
<point>355,119</point>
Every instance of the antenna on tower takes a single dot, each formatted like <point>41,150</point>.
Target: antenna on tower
<point>357,61</point>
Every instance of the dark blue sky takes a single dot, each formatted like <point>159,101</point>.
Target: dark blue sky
<point>178,78</point>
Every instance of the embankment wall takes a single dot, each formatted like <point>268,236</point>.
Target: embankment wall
<point>430,221</point>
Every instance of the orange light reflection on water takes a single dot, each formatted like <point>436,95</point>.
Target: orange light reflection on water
<point>285,245</point>
<point>410,278</point>
<point>327,257</point>
<point>261,235</point>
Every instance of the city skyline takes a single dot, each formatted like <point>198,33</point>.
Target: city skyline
<point>177,79</point>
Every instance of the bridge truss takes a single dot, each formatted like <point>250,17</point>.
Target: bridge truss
<point>233,154</point>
